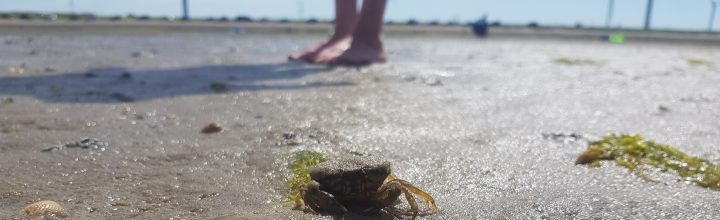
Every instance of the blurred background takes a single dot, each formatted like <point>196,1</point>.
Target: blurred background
<point>674,15</point>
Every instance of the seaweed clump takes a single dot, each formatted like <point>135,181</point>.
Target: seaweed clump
<point>637,154</point>
<point>300,164</point>
<point>576,62</point>
<point>698,62</point>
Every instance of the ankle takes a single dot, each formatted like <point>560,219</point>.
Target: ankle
<point>336,38</point>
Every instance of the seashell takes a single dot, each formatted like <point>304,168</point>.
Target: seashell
<point>45,208</point>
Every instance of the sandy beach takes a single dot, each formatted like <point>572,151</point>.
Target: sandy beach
<point>480,124</point>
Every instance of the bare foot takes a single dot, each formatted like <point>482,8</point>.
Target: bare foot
<point>323,52</point>
<point>361,54</point>
<point>305,53</point>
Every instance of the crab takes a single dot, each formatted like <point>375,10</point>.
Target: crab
<point>359,185</point>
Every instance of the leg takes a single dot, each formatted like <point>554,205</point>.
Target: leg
<point>345,20</point>
<point>367,46</point>
<point>409,188</point>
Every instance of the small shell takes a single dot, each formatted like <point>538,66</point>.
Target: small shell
<point>45,208</point>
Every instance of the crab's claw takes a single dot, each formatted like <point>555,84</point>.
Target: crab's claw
<point>320,201</point>
<point>388,194</point>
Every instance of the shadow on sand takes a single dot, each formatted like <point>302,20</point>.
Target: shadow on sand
<point>113,85</point>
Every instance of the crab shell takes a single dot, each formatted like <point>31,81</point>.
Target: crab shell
<point>354,182</point>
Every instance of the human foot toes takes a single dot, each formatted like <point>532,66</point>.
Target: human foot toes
<point>322,51</point>
<point>327,54</point>
<point>359,55</point>
<point>330,51</point>
<point>305,53</point>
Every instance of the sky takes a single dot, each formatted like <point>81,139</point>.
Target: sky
<point>667,14</point>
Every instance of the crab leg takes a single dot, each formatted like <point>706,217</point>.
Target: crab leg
<point>299,201</point>
<point>413,204</point>
<point>429,201</point>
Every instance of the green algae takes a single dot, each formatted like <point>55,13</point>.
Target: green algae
<point>576,62</point>
<point>299,165</point>
<point>637,154</point>
<point>698,62</point>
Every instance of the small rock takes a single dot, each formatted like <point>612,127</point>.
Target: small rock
<point>205,195</point>
<point>289,135</point>
<point>211,128</point>
<point>91,93</point>
<point>90,75</point>
<point>198,210</point>
<point>45,209</point>
<point>663,108</point>
<point>218,87</point>
<point>126,75</point>
<point>122,97</point>
<point>119,204</point>
<point>142,54</point>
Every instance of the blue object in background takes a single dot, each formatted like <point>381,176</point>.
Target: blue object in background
<point>480,27</point>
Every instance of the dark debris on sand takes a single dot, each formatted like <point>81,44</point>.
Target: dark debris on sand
<point>85,143</point>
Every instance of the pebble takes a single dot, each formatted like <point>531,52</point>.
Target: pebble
<point>126,75</point>
<point>211,128</point>
<point>218,87</point>
<point>122,97</point>
<point>143,54</point>
<point>289,135</point>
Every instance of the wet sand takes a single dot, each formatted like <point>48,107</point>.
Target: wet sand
<point>462,118</point>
